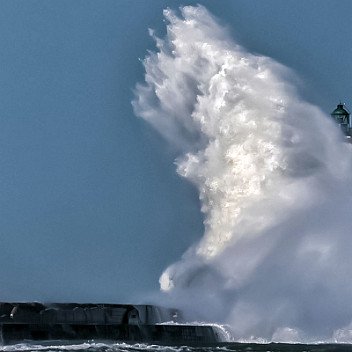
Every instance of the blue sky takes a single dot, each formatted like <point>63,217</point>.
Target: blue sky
<point>91,208</point>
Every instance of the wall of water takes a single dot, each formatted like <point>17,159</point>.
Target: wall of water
<point>273,175</point>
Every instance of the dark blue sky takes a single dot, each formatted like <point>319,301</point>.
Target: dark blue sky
<point>91,208</point>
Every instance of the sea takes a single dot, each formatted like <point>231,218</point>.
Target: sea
<point>92,346</point>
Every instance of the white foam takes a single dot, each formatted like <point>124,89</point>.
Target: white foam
<point>274,179</point>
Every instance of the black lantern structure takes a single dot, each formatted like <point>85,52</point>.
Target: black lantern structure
<point>343,118</point>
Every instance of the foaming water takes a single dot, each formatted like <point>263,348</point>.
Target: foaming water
<point>123,347</point>
<point>274,179</point>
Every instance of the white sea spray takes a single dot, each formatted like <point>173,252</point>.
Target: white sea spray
<point>274,179</point>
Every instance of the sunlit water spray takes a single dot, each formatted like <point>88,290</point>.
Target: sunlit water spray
<point>274,179</point>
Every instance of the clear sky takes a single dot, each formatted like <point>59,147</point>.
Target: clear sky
<point>91,208</point>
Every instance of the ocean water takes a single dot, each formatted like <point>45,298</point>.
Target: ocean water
<point>124,347</point>
<point>274,178</point>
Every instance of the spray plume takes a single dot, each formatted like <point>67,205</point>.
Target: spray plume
<point>273,176</point>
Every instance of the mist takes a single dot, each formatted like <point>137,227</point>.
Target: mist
<point>273,174</point>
